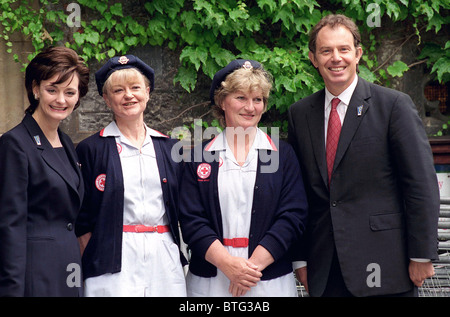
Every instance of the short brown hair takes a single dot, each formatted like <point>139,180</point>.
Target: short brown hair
<point>61,61</point>
<point>332,21</point>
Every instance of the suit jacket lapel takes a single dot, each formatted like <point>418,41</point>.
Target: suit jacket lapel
<point>73,159</point>
<point>357,108</point>
<point>316,126</point>
<point>49,155</point>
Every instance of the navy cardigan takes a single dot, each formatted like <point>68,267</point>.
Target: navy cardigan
<point>278,215</point>
<point>102,211</point>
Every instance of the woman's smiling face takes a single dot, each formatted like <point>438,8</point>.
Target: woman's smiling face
<point>127,96</point>
<point>57,101</point>
<point>243,109</point>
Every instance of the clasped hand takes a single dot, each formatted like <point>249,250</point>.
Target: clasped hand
<point>250,271</point>
<point>243,274</point>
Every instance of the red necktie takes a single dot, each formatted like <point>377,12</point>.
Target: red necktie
<point>333,132</point>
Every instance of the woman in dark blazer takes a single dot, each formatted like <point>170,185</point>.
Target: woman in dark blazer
<point>41,188</point>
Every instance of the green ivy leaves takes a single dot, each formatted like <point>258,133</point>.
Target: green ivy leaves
<point>397,69</point>
<point>438,58</point>
<point>210,33</point>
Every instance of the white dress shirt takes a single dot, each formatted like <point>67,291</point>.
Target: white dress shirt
<point>342,107</point>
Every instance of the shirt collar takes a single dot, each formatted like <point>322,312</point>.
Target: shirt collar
<point>262,142</point>
<point>113,130</point>
<point>344,97</point>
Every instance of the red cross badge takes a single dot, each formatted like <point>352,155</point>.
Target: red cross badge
<point>100,182</point>
<point>204,170</point>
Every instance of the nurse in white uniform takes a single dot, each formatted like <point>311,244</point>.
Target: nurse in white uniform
<point>150,261</point>
<point>241,223</point>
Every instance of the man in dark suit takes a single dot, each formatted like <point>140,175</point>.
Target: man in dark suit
<point>374,198</point>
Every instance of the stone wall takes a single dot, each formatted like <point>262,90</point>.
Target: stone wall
<point>13,98</point>
<point>401,43</point>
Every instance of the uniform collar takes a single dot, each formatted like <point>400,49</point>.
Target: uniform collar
<point>262,142</point>
<point>113,130</point>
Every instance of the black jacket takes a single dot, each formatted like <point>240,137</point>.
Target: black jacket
<point>39,202</point>
<point>383,203</point>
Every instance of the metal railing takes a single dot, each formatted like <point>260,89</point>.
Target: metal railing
<point>439,284</point>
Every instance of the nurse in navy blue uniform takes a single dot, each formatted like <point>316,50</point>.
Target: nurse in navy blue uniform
<point>243,206</point>
<point>128,225</point>
<point>41,187</point>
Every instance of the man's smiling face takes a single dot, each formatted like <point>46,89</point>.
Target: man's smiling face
<point>336,57</point>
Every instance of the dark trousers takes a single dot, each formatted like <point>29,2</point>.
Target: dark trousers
<point>336,286</point>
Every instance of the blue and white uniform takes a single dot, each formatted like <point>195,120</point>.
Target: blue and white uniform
<point>239,193</point>
<point>151,263</point>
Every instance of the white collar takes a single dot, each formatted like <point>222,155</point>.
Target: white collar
<point>113,130</point>
<point>344,96</point>
<point>262,141</point>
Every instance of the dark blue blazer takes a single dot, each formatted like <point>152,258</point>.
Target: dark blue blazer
<point>278,215</point>
<point>39,201</point>
<point>382,206</point>
<point>102,211</point>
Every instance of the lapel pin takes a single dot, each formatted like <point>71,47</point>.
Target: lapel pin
<point>360,109</point>
<point>37,139</point>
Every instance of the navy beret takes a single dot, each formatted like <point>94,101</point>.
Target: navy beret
<point>220,76</point>
<point>122,62</point>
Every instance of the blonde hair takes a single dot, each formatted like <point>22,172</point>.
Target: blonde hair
<point>245,80</point>
<point>126,75</point>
